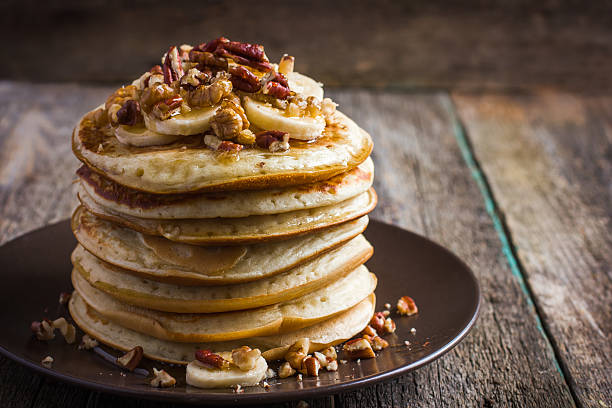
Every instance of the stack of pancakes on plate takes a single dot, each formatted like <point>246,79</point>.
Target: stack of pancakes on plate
<point>183,247</point>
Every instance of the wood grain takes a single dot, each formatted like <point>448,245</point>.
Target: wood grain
<point>423,184</point>
<point>424,43</point>
<point>547,156</point>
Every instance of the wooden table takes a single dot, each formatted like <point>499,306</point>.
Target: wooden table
<point>518,185</point>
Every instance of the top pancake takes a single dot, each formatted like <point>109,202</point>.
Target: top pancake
<point>188,165</point>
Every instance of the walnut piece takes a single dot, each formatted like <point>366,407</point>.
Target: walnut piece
<point>43,330</point>
<point>389,326</point>
<point>311,366</point>
<point>358,348</point>
<point>378,322</point>
<point>406,306</point>
<point>245,357</point>
<point>297,352</point>
<point>285,370</point>
<point>67,330</point>
<point>210,95</point>
<point>229,120</point>
<point>131,359</point>
<point>87,343</point>
<point>162,379</point>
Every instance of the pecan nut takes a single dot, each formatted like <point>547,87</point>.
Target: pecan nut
<point>173,68</point>
<point>244,79</point>
<point>406,306</point>
<point>130,113</point>
<point>276,90</point>
<point>131,359</point>
<point>273,140</point>
<point>211,359</point>
<point>378,322</point>
<point>162,379</point>
<point>358,348</point>
<point>245,357</point>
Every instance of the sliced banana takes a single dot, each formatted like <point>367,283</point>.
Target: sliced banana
<point>196,121</point>
<point>268,117</point>
<point>304,85</point>
<point>198,375</point>
<point>141,136</point>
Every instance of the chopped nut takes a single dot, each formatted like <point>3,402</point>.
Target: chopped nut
<point>270,373</point>
<point>227,146</point>
<point>210,95</point>
<point>359,348</point>
<point>387,305</point>
<point>297,352</point>
<point>168,108</point>
<point>369,330</point>
<point>265,385</point>
<point>321,357</point>
<point>155,93</point>
<point>406,306</point>
<point>286,64</point>
<point>243,79</point>
<point>413,331</point>
<point>229,120</point>
<point>245,357</point>
<point>194,77</point>
<point>238,388</point>
<point>276,90</point>
<point>64,297</point>
<point>311,366</point>
<point>378,322</point>
<point>378,343</point>
<point>43,330</point>
<point>47,361</point>
<point>285,370</point>
<point>172,69</point>
<point>131,359</point>
<point>273,140</point>
<point>386,313</point>
<point>299,378</point>
<point>343,361</point>
<point>67,330</point>
<point>130,113</point>
<point>406,342</point>
<point>211,359</point>
<point>162,379</point>
<point>330,352</point>
<point>389,326</point>
<point>246,137</point>
<point>332,365</point>
<point>88,343</point>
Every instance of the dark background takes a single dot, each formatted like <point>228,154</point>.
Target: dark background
<point>419,43</point>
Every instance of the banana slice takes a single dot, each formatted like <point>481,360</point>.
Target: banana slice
<point>196,121</point>
<point>198,375</point>
<point>302,84</point>
<point>268,117</point>
<point>141,136</point>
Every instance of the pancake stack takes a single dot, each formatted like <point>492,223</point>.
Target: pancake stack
<point>191,237</point>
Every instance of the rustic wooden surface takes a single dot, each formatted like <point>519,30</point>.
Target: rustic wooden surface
<point>547,159</point>
<point>430,179</point>
<point>459,43</point>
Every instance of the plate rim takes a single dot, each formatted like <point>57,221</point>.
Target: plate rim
<point>204,398</point>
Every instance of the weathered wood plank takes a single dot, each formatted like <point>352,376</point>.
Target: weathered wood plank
<point>349,43</point>
<point>547,156</point>
<point>423,184</point>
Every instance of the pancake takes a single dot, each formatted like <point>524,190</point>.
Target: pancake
<point>291,315</point>
<point>245,230</point>
<point>171,262</point>
<point>230,204</point>
<point>188,165</point>
<point>314,274</point>
<point>327,333</point>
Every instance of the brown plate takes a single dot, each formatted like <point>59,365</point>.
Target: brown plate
<point>36,268</point>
